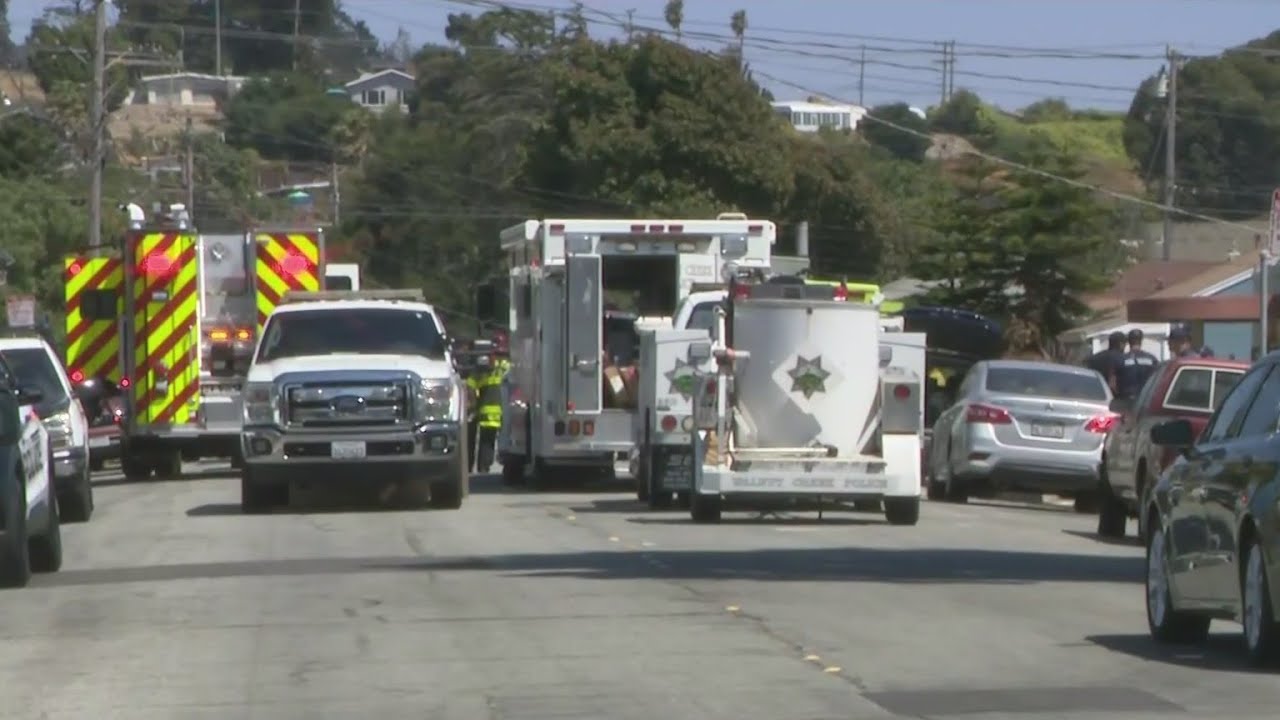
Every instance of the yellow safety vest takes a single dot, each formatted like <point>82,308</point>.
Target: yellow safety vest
<point>488,389</point>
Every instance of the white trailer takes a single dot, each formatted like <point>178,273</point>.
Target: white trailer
<point>809,406</point>
<point>563,344</point>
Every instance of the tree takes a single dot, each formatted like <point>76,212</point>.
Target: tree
<point>903,145</point>
<point>738,24</point>
<point>29,146</point>
<point>673,13</point>
<point>6,39</point>
<point>1023,245</point>
<point>286,116</point>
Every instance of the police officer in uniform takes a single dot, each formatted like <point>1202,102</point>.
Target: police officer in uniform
<point>1137,366</point>
<point>1108,362</point>
<point>486,384</point>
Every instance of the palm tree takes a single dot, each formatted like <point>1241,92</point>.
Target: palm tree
<point>738,23</point>
<point>674,14</point>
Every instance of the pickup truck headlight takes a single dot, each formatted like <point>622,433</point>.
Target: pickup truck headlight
<point>58,425</point>
<point>433,400</point>
<point>261,404</point>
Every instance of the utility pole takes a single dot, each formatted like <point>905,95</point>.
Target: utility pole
<point>217,37</point>
<point>297,29</point>
<point>946,66</point>
<point>189,172</point>
<point>97,122</point>
<point>631,26</point>
<point>862,74</point>
<point>335,192</point>
<point>1170,152</point>
<point>951,71</point>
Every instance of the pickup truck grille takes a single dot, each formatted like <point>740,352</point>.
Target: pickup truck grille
<point>346,404</point>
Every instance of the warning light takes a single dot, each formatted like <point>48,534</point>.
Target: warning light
<point>157,264</point>
<point>124,382</point>
<point>293,264</point>
<point>77,376</point>
<point>219,335</point>
<point>243,334</point>
<point>75,268</point>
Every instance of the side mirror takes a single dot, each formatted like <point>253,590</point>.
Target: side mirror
<point>29,395</point>
<point>1173,433</point>
<point>1120,406</point>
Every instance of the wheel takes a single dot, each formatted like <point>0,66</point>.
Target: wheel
<point>96,464</point>
<point>512,471</point>
<point>1112,514</point>
<point>935,490</point>
<point>134,467</point>
<point>642,478</point>
<point>902,511</point>
<point>1085,504</point>
<point>544,476</point>
<point>15,560</point>
<point>45,550</point>
<point>1261,634</point>
<point>446,495</point>
<point>704,508</point>
<point>956,491</point>
<point>76,506</point>
<point>1165,622</point>
<point>659,498</point>
<point>255,497</point>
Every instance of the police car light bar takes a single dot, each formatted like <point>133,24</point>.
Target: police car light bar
<point>406,295</point>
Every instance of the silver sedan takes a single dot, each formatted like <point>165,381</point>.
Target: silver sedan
<point>1021,425</point>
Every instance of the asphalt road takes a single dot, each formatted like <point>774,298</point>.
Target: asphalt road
<point>174,606</point>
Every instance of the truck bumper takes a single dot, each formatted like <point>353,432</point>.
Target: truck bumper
<point>68,467</point>
<point>433,449</point>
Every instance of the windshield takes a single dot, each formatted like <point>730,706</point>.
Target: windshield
<point>1046,382</point>
<point>370,331</point>
<point>34,368</point>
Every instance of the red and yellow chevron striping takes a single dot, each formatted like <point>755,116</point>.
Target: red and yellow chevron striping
<point>286,261</point>
<point>166,372</point>
<point>93,342</point>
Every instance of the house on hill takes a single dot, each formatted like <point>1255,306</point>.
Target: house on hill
<point>383,90</point>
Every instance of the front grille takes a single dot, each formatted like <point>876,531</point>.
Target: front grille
<point>347,404</point>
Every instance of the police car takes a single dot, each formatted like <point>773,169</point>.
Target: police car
<point>30,536</point>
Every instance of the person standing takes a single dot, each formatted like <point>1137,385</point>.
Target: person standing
<point>487,386</point>
<point>1107,363</point>
<point>1135,368</point>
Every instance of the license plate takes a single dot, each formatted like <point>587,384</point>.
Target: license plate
<point>1049,431</point>
<point>347,450</point>
<point>99,442</point>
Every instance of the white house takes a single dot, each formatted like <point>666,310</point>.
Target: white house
<point>194,90</point>
<point>810,116</point>
<point>382,90</point>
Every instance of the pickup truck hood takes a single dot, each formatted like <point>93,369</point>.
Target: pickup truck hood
<point>349,362</point>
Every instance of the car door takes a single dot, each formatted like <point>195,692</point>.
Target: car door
<point>947,440</point>
<point>33,443</point>
<point>1250,460</point>
<point>1122,441</point>
<point>1188,486</point>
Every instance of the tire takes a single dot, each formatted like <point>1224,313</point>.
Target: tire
<point>96,464</point>
<point>169,467</point>
<point>902,511</point>
<point>1167,624</point>
<point>1261,634</point>
<point>45,551</point>
<point>134,468</point>
<point>704,509</point>
<point>15,559</point>
<point>512,471</point>
<point>956,491</point>
<point>1112,513</point>
<point>935,490</point>
<point>446,496</point>
<point>76,506</point>
<point>1086,504</point>
<point>255,497</point>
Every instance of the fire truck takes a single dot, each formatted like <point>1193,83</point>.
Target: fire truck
<point>579,290</point>
<point>171,317</point>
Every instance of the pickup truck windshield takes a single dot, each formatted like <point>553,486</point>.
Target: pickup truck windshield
<point>368,331</point>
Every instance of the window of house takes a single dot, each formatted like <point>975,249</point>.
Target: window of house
<point>374,97</point>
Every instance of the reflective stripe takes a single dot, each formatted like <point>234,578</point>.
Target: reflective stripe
<point>166,349</point>
<point>93,346</point>
<point>271,279</point>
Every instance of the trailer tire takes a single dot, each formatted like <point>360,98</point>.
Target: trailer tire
<point>902,511</point>
<point>705,509</point>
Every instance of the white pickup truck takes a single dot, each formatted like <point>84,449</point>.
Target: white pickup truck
<point>358,389</point>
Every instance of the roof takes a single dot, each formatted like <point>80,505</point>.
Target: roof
<point>193,76</point>
<point>305,305</point>
<point>1147,277</point>
<point>366,77</point>
<point>1216,275</point>
<point>22,342</point>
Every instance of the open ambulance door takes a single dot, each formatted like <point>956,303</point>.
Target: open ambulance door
<point>583,331</point>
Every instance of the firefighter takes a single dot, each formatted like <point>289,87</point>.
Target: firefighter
<point>1137,366</point>
<point>1108,362</point>
<point>486,384</point>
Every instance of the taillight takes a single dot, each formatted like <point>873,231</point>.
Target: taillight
<point>292,264</point>
<point>987,415</point>
<point>124,383</point>
<point>902,392</point>
<point>842,292</point>
<point>219,335</point>
<point>1101,423</point>
<point>77,376</point>
<point>244,334</point>
<point>669,423</point>
<point>741,291</point>
<point>157,264</point>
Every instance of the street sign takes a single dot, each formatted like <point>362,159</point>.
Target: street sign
<point>21,310</point>
<point>1273,240</point>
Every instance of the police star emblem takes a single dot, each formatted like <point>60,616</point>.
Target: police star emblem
<point>807,377</point>
<point>682,378</point>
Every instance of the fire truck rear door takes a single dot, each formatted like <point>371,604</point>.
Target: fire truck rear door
<point>582,333</point>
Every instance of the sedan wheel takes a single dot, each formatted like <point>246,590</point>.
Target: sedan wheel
<point>1164,621</point>
<point>1260,636</point>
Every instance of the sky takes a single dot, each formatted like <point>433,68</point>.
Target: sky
<point>805,47</point>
